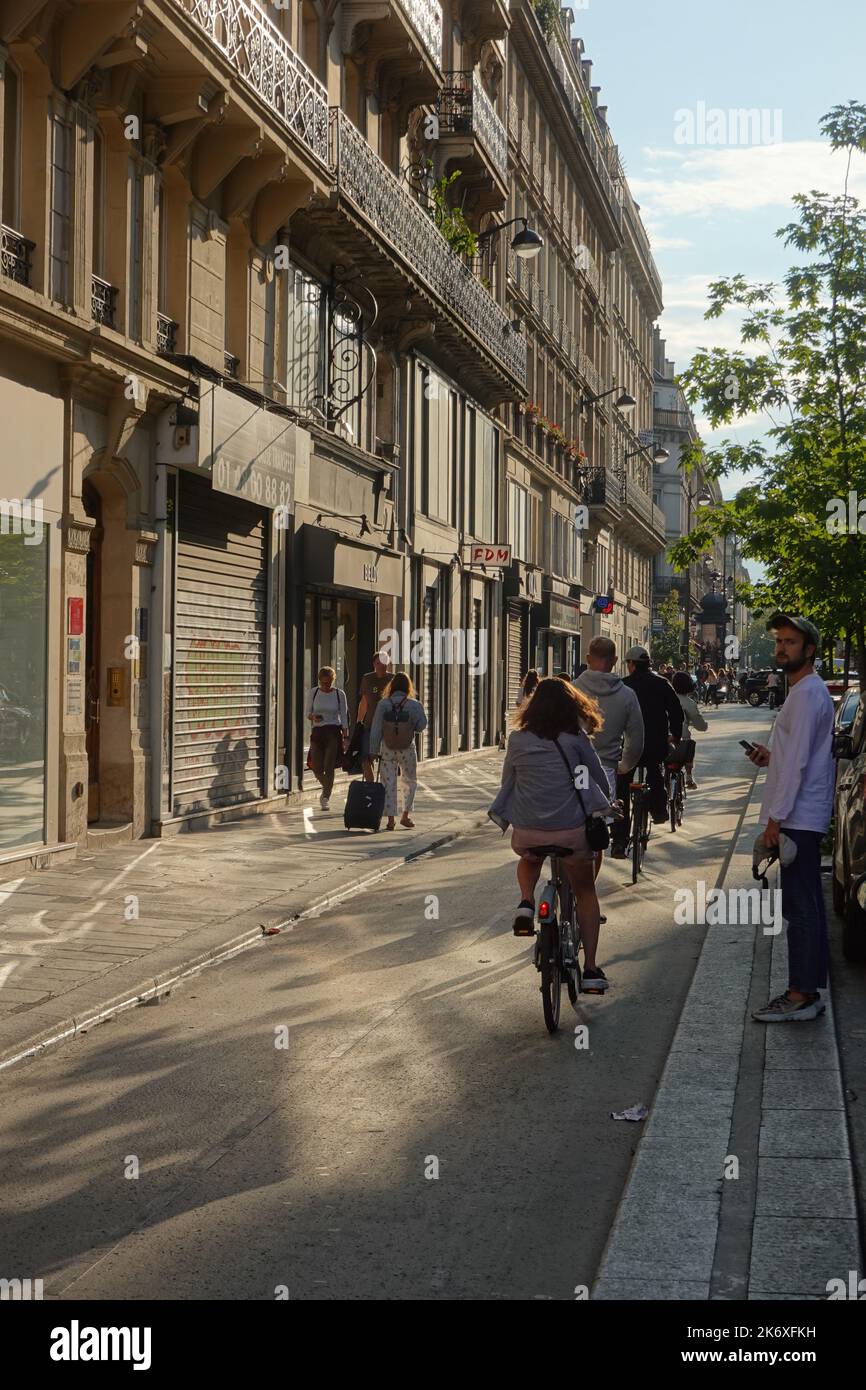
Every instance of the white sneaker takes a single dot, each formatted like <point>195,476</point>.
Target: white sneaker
<point>324,802</point>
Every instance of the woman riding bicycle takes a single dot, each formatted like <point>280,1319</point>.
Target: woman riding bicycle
<point>549,756</point>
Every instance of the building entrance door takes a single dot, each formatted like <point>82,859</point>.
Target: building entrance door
<point>92,661</point>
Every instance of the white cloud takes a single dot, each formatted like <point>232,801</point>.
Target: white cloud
<point>743,178</point>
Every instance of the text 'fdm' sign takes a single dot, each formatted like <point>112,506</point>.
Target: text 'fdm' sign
<point>497,556</point>
<point>249,452</point>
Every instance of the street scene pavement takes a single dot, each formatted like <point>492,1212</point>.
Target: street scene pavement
<point>368,1105</point>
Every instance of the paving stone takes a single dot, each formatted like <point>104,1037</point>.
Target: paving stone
<point>803,1090</point>
<point>802,1256</point>
<point>803,1134</point>
<point>653,1289</point>
<point>649,1246</point>
<point>820,1187</point>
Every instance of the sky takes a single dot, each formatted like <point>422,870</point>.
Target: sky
<point>712,209</point>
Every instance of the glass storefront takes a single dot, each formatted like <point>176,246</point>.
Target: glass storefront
<point>331,639</point>
<point>23,642</point>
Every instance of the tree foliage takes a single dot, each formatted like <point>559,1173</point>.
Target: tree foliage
<point>802,364</point>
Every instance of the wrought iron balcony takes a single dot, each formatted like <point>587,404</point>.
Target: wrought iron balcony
<point>395,217</point>
<point>15,253</point>
<point>426,17</point>
<point>166,334</point>
<point>580,108</point>
<point>103,301</point>
<point>260,54</point>
<point>673,419</point>
<point>603,488</point>
<point>464,108</point>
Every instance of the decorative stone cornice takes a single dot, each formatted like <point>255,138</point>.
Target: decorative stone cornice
<point>145,547</point>
<point>76,534</point>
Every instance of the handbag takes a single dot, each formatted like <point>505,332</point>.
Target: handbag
<point>683,752</point>
<point>597,829</point>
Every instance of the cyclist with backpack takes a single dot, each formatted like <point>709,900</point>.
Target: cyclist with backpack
<point>398,718</point>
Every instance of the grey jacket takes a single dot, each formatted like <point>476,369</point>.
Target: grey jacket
<point>537,791</point>
<point>620,738</point>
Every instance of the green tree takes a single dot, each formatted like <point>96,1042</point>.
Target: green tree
<point>801,363</point>
<point>667,641</point>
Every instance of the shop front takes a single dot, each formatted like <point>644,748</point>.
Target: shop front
<point>346,596</point>
<point>31,690</point>
<point>228,514</point>
<point>557,638</point>
<point>521,592</point>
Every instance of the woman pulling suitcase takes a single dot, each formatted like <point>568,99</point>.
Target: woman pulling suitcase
<point>398,718</point>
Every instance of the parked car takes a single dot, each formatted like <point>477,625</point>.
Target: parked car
<point>836,685</point>
<point>849,842</point>
<point>755,687</point>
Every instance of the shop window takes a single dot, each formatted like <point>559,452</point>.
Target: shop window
<point>24,625</point>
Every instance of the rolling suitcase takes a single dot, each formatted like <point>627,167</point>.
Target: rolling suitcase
<point>365,804</point>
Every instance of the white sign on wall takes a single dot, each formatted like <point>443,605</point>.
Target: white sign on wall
<point>497,556</point>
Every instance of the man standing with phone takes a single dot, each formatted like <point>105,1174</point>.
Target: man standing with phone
<point>798,802</point>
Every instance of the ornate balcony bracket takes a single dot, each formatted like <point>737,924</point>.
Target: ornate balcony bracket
<point>399,44</point>
<point>350,313</point>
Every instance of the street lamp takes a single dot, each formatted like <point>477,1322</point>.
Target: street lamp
<point>526,244</point>
<point>659,455</point>
<point>623,401</point>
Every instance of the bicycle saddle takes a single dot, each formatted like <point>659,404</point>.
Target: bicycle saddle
<point>542,851</point>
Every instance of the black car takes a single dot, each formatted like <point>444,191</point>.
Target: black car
<point>755,689</point>
<point>849,844</point>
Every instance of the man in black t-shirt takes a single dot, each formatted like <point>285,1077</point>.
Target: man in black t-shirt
<point>372,686</point>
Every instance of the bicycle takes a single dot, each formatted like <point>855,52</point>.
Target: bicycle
<point>641,821</point>
<point>558,938</point>
<point>675,788</point>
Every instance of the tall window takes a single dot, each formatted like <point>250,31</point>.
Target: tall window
<point>98,203</point>
<point>483,455</point>
<point>10,207</point>
<point>61,208</point>
<point>136,239</point>
<point>518,520</point>
<point>302,371</point>
<point>437,435</point>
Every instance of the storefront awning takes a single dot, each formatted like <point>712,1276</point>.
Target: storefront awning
<point>331,560</point>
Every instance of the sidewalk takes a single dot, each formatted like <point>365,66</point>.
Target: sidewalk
<point>112,930</point>
<point>742,1185</point>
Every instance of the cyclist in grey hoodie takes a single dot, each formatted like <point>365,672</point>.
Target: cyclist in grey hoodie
<point>619,742</point>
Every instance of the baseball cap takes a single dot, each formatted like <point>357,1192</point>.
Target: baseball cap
<point>809,630</point>
<point>785,852</point>
<point>637,654</point>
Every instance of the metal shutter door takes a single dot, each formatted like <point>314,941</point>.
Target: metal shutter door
<point>475,679</point>
<point>516,649</point>
<point>430,742</point>
<point>220,621</point>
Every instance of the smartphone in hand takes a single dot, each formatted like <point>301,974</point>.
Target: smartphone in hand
<point>749,747</point>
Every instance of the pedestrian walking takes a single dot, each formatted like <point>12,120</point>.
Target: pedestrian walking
<point>328,714</point>
<point>371,690</point>
<point>539,798</point>
<point>693,719</point>
<point>619,741</point>
<point>798,803</point>
<point>772,689</point>
<point>398,718</point>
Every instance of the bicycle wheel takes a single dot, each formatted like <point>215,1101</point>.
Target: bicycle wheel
<point>681,797</point>
<point>636,835</point>
<point>672,783</point>
<point>551,974</point>
<point>569,934</point>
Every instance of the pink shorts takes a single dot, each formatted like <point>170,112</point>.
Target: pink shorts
<point>524,841</point>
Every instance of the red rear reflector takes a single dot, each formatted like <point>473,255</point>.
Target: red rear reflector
<point>544,910</point>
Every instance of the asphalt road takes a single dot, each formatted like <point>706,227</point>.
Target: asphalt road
<point>418,1136</point>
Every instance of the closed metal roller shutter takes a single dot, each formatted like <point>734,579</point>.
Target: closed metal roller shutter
<point>429,740</point>
<point>476,712</point>
<point>517,623</point>
<point>220,646</point>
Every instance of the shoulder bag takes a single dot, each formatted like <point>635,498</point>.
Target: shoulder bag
<point>597,830</point>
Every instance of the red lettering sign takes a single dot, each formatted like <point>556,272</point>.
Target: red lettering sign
<point>75,616</point>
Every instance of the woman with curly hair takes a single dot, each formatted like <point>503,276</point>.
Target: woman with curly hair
<point>547,753</point>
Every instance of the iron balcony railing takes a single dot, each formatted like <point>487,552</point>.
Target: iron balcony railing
<point>602,487</point>
<point>166,334</point>
<point>426,17</point>
<point>388,206</point>
<point>641,502</point>
<point>15,253</point>
<point>639,233</point>
<point>464,108</point>
<point>260,54</point>
<point>673,419</point>
<point>585,125</point>
<point>103,301</point>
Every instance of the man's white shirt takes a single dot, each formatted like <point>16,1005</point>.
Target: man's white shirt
<point>798,792</point>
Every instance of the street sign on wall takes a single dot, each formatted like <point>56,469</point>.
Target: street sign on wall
<point>497,556</point>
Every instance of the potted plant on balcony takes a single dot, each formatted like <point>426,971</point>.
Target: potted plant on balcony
<point>450,221</point>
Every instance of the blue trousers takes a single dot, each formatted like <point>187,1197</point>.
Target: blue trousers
<point>803,911</point>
